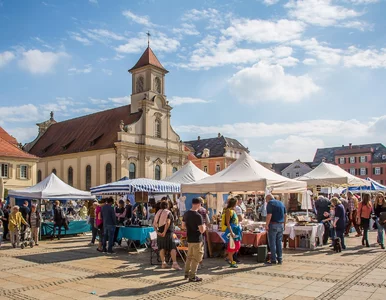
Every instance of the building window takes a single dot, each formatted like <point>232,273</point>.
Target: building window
<point>4,170</point>
<point>218,168</point>
<point>139,87</point>
<point>157,128</point>
<point>39,176</point>
<point>341,160</point>
<point>352,171</point>
<point>363,171</point>
<point>109,173</point>
<point>288,175</point>
<point>206,169</point>
<point>132,168</point>
<point>377,171</point>
<point>352,160</point>
<point>54,171</point>
<point>157,172</point>
<point>174,169</point>
<point>88,178</point>
<point>157,85</point>
<point>363,159</point>
<point>297,174</point>
<point>23,172</point>
<point>70,176</point>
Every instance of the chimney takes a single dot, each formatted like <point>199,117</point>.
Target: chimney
<point>350,145</point>
<point>219,135</point>
<point>198,138</point>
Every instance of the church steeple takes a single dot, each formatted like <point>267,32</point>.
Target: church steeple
<point>148,58</point>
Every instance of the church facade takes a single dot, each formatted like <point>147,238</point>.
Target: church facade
<point>135,140</point>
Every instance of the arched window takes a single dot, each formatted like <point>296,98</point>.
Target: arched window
<point>139,86</point>
<point>39,176</point>
<point>88,177</point>
<point>175,169</point>
<point>54,171</point>
<point>157,85</point>
<point>109,173</point>
<point>132,169</point>
<point>70,176</point>
<point>157,128</point>
<point>157,172</point>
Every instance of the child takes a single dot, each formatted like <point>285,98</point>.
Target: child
<point>14,225</point>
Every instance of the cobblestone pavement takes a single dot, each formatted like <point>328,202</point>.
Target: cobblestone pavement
<point>69,269</point>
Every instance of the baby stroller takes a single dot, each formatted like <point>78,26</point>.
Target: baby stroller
<point>26,238</point>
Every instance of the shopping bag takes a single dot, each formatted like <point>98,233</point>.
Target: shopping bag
<point>231,243</point>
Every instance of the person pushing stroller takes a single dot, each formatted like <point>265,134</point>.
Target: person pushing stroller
<point>14,225</point>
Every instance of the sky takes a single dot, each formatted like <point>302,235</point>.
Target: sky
<point>284,77</point>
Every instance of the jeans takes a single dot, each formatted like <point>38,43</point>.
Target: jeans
<point>195,254</point>
<point>94,230</point>
<point>380,228</point>
<point>340,234</point>
<point>59,230</point>
<point>275,240</point>
<point>108,235</point>
<point>365,224</point>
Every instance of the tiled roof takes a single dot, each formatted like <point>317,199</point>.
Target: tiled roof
<point>7,137</point>
<point>8,149</point>
<point>92,132</point>
<point>148,58</point>
<point>216,146</point>
<point>329,154</point>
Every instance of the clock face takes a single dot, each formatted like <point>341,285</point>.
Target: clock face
<point>157,85</point>
<point>139,85</point>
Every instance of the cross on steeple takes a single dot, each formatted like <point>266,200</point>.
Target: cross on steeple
<point>148,38</point>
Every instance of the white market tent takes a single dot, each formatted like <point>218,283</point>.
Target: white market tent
<point>187,174</point>
<point>245,175</point>
<point>331,175</point>
<point>51,188</point>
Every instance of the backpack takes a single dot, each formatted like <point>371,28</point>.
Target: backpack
<point>223,225</point>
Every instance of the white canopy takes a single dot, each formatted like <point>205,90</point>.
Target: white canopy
<point>245,175</point>
<point>328,175</point>
<point>51,188</point>
<point>187,174</point>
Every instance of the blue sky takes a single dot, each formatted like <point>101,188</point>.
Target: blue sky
<point>282,76</point>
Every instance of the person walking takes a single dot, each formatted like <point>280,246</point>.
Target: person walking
<point>363,217</point>
<point>34,221</point>
<point>380,221</point>
<point>91,214</point>
<point>15,221</point>
<point>275,224</point>
<point>6,211</point>
<point>109,225</point>
<point>195,227</point>
<point>99,223</point>
<point>322,206</point>
<point>339,220</point>
<point>352,214</point>
<point>59,219</point>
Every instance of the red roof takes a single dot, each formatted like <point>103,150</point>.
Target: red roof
<point>148,58</point>
<point>8,149</point>
<point>5,136</point>
<point>92,132</point>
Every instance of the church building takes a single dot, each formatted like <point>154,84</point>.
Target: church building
<point>135,140</point>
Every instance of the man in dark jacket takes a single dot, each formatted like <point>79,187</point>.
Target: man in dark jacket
<point>322,205</point>
<point>59,219</point>
<point>109,225</point>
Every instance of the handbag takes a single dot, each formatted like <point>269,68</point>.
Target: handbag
<point>231,243</point>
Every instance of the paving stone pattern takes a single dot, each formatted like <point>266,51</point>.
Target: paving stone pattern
<point>68,269</point>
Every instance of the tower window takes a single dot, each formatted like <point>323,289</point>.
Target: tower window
<point>109,177</point>
<point>54,171</point>
<point>132,168</point>
<point>70,176</point>
<point>88,177</point>
<point>140,85</point>
<point>39,176</point>
<point>157,125</point>
<point>157,85</point>
<point>175,169</point>
<point>157,172</point>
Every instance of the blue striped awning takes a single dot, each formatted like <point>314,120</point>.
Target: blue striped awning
<point>136,185</point>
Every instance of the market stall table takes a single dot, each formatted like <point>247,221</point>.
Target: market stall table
<point>311,232</point>
<point>74,227</point>
<point>134,233</point>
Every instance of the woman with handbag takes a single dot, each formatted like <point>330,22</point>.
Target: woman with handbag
<point>380,214</point>
<point>364,214</point>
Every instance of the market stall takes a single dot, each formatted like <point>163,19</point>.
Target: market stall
<point>51,189</point>
<point>373,188</point>
<point>187,174</point>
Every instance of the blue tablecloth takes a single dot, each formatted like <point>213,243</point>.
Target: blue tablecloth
<point>75,227</point>
<point>135,233</point>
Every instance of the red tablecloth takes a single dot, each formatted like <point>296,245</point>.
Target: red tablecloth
<point>249,238</point>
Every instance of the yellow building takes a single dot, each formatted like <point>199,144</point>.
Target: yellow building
<point>135,140</point>
<point>17,168</point>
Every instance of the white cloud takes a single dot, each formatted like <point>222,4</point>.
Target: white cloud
<point>121,100</point>
<point>357,2</point>
<point>270,2</point>
<point>23,113</point>
<point>160,43</point>
<point>6,57</point>
<point>93,1</point>
<point>87,69</point>
<point>263,82</point>
<point>309,61</point>
<point>38,62</point>
<point>263,31</point>
<point>370,58</point>
<point>174,101</point>
<point>142,20</point>
<point>23,135</point>
<point>107,72</point>
<point>98,101</point>
<point>320,12</point>
<point>214,18</point>
<point>77,37</point>
<point>186,29</point>
<point>102,35</point>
